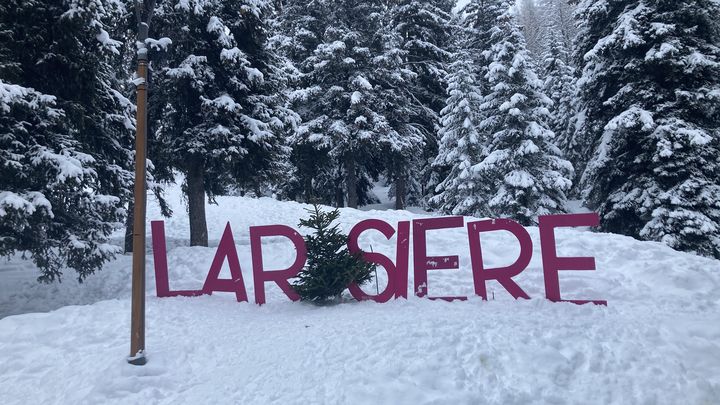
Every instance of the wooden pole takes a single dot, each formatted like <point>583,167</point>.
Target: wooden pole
<point>137,338</point>
<point>138,357</point>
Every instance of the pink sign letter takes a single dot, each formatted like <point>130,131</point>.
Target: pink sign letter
<point>162,282</point>
<point>280,277</point>
<point>552,264</point>
<point>226,249</point>
<point>377,258</point>
<point>423,263</point>
<point>503,275</point>
<point>402,258</point>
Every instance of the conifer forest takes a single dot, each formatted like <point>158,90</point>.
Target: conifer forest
<point>483,108</point>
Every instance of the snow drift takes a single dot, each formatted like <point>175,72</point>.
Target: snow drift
<point>656,342</point>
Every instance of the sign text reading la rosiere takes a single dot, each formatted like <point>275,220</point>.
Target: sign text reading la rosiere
<point>397,269</point>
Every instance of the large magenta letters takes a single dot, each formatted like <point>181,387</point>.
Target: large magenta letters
<point>397,272</point>
<point>162,283</point>
<point>280,277</point>
<point>552,264</point>
<point>226,249</point>
<point>372,257</point>
<point>423,263</point>
<point>503,275</point>
<point>402,260</point>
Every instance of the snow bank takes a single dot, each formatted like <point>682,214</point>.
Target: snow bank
<point>658,341</point>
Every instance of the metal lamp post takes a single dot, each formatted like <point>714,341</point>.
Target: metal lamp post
<point>143,10</point>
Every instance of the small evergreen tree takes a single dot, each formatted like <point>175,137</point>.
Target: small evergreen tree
<point>330,267</point>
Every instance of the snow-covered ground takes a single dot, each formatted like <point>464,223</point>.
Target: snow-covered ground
<point>657,342</point>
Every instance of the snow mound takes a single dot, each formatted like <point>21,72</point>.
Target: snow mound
<point>658,341</point>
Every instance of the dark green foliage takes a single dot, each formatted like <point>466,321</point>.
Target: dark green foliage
<point>650,119</point>
<point>219,87</point>
<point>218,102</point>
<point>351,95</point>
<point>422,33</point>
<point>523,174</point>
<point>330,267</point>
<point>479,22</point>
<point>65,133</point>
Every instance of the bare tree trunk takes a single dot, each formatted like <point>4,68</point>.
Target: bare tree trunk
<point>400,191</point>
<point>129,228</point>
<point>351,181</point>
<point>196,204</point>
<point>308,190</point>
<point>339,197</point>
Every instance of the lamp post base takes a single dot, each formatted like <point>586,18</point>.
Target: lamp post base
<point>138,360</point>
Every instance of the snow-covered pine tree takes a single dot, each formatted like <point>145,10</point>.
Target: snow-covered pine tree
<point>425,31</point>
<point>342,102</point>
<point>470,32</point>
<point>461,144</point>
<point>298,26</point>
<point>426,28</point>
<point>65,134</point>
<point>297,30</point>
<point>560,87</point>
<point>478,24</point>
<point>559,17</point>
<point>221,119</point>
<point>650,89</point>
<point>480,16</point>
<point>401,141</point>
<point>523,170</point>
<point>532,19</point>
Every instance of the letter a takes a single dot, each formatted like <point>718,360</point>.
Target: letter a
<point>236,284</point>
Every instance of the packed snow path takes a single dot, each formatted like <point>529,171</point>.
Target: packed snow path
<point>658,341</point>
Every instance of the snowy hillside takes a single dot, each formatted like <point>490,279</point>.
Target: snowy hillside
<point>658,341</point>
